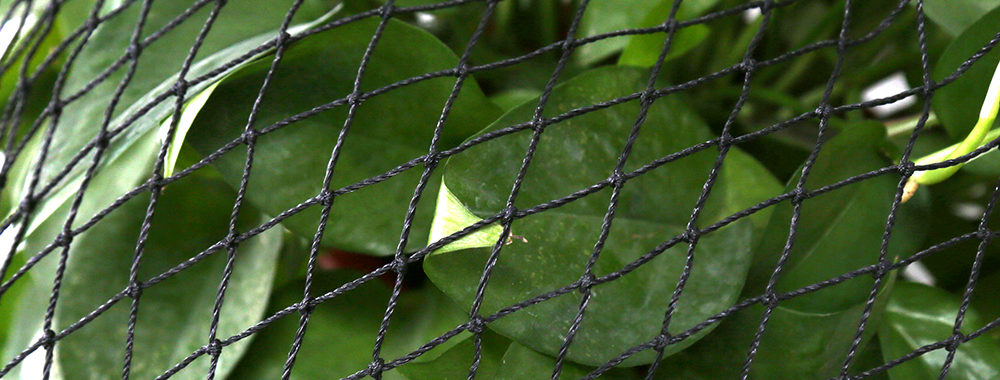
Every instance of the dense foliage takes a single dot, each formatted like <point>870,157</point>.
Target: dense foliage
<point>308,113</point>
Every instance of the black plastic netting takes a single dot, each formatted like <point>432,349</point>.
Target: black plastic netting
<point>28,129</point>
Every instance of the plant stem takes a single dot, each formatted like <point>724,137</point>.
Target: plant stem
<point>987,114</point>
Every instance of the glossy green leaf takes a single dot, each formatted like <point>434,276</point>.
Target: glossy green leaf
<point>919,315</point>
<point>551,248</point>
<point>174,316</point>
<point>957,104</point>
<point>388,130</point>
<point>795,344</point>
<point>841,230</point>
<point>342,331</point>
<point>985,301</point>
<point>232,37</point>
<point>955,15</point>
<point>507,100</point>
<point>520,362</point>
<point>643,50</point>
<point>612,15</point>
<point>455,363</point>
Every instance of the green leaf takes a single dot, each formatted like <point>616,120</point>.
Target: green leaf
<point>552,247</point>
<point>454,364</point>
<point>957,104</point>
<point>342,331</point>
<point>795,344</point>
<point>955,15</point>
<point>840,230</point>
<point>387,130</point>
<point>188,112</point>
<point>985,301</point>
<point>174,316</point>
<point>918,315</point>
<point>507,100</point>
<point>643,50</point>
<point>520,362</point>
<point>231,37</point>
<point>612,15</point>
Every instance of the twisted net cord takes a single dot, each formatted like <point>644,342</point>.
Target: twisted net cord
<point>506,217</point>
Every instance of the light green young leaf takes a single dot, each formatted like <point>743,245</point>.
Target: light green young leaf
<point>188,113</point>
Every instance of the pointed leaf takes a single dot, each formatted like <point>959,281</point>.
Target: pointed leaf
<point>551,248</point>
<point>387,130</point>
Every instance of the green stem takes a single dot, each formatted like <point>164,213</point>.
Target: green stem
<point>974,140</point>
<point>906,126</point>
<point>979,133</point>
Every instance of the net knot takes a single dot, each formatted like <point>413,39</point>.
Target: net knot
<point>305,307</point>
<point>881,269</point>
<point>63,239</point>
<point>906,168</point>
<point>670,24</point>
<point>386,11</point>
<point>692,234</point>
<point>399,265</point>
<point>28,203</point>
<point>586,282</point>
<point>617,179</point>
<point>507,216</point>
<point>824,110</point>
<point>134,290</point>
<point>250,136</point>
<point>231,240</point>
<point>283,37</point>
<point>770,300</point>
<point>180,86</point>
<point>354,99</point>
<point>749,64</point>
<point>102,141</point>
<point>477,325</point>
<point>48,338</point>
<point>661,341</point>
<point>462,70</point>
<point>928,88</point>
<point>984,233</point>
<point>432,160</point>
<point>377,367</point>
<point>214,348</point>
<point>568,43</point>
<point>326,198</point>
<point>798,195</point>
<point>133,52</point>
<point>956,340</point>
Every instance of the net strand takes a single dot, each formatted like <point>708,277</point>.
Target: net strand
<point>26,50</point>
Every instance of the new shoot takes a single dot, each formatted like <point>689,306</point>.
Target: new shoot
<point>980,133</point>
